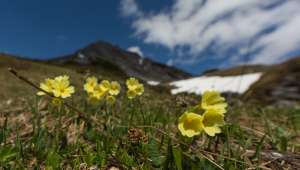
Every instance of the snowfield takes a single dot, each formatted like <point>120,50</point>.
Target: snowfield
<point>153,83</point>
<point>236,84</point>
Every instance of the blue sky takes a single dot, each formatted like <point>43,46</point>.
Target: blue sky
<point>194,35</point>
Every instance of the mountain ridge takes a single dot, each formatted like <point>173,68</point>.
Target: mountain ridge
<point>101,53</point>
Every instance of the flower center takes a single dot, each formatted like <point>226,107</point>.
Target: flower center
<point>192,124</point>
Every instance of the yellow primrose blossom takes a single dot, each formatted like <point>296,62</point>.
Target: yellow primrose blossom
<point>114,88</point>
<point>212,120</point>
<point>131,94</point>
<point>213,99</point>
<point>63,78</point>
<point>59,87</point>
<point>190,124</point>
<point>132,83</point>
<point>98,92</point>
<point>139,89</point>
<point>135,88</point>
<point>47,86</point>
<point>62,88</point>
<point>105,89</point>
<point>110,99</point>
<point>104,85</point>
<point>91,83</point>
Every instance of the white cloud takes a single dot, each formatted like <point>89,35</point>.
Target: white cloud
<point>136,49</point>
<point>222,26</point>
<point>129,8</point>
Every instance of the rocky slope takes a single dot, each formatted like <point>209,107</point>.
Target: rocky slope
<point>237,70</point>
<point>280,84</point>
<point>103,54</point>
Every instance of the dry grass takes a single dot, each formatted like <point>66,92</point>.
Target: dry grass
<point>140,134</point>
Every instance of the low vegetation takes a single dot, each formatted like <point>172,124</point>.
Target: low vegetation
<point>139,129</point>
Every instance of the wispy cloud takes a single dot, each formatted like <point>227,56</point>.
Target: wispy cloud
<point>129,8</point>
<point>264,30</point>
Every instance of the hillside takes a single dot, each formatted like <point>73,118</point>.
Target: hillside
<point>106,56</point>
<point>101,59</point>
<point>237,70</point>
<point>280,84</point>
<point>139,133</point>
<point>14,91</point>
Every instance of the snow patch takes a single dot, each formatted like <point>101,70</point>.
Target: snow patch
<point>235,84</point>
<point>81,56</point>
<point>137,50</point>
<point>153,83</point>
<point>141,60</point>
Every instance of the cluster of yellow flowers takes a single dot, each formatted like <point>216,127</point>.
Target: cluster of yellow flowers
<point>191,123</point>
<point>104,89</point>
<point>213,108</point>
<point>135,88</point>
<point>59,87</point>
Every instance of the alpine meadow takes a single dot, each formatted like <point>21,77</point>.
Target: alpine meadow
<point>144,85</point>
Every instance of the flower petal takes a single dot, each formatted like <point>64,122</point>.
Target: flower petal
<point>212,130</point>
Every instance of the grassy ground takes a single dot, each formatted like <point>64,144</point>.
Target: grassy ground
<point>136,134</point>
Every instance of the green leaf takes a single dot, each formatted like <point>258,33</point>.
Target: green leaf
<point>177,157</point>
<point>53,160</point>
<point>154,153</point>
<point>7,153</point>
<point>168,164</point>
<point>258,148</point>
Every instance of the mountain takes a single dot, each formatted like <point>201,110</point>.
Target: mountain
<point>279,85</point>
<point>107,56</point>
<point>100,59</point>
<point>237,70</point>
<point>267,84</point>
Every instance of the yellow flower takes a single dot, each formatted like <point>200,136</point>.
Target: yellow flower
<point>105,85</point>
<point>135,88</point>
<point>213,99</point>
<point>62,88</point>
<point>114,88</point>
<point>213,107</point>
<point>131,94</point>
<point>62,78</point>
<point>190,124</point>
<point>132,83</point>
<point>98,92</point>
<point>91,83</point>
<point>139,89</point>
<point>47,86</point>
<point>110,99</point>
<point>212,120</point>
<point>59,87</point>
